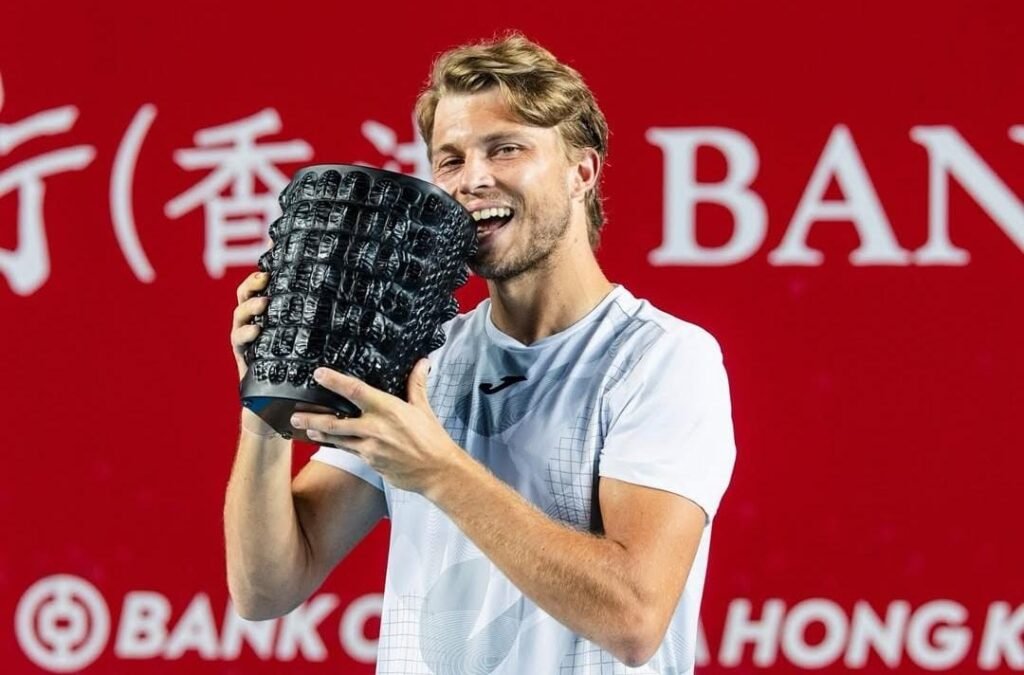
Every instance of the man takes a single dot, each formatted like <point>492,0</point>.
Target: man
<point>552,479</point>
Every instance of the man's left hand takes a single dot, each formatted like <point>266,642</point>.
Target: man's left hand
<point>404,442</point>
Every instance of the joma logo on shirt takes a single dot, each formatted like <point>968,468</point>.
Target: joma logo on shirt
<point>507,381</point>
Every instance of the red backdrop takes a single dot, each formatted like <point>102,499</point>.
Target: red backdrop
<point>873,521</point>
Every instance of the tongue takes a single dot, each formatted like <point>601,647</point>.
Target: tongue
<point>491,224</point>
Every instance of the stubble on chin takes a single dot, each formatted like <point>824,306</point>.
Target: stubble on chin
<point>537,254</point>
<point>504,270</point>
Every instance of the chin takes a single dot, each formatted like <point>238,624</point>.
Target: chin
<point>488,271</point>
<point>494,269</point>
<point>489,264</point>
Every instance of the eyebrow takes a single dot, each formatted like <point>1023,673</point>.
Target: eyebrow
<point>489,139</point>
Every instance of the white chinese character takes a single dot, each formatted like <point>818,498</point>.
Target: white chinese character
<point>28,266</point>
<point>244,215</point>
<point>122,178</point>
<point>412,154</point>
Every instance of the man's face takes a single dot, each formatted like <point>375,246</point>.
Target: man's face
<point>514,178</point>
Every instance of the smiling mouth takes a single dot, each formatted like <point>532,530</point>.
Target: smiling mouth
<point>491,220</point>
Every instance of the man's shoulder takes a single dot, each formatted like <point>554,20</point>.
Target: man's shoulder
<point>665,332</point>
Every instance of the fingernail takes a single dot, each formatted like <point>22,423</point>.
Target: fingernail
<point>318,374</point>
<point>296,420</point>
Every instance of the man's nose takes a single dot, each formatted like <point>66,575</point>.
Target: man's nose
<point>476,174</point>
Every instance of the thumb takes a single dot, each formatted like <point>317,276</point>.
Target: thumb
<point>417,386</point>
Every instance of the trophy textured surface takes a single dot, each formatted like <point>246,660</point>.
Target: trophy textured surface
<point>363,267</point>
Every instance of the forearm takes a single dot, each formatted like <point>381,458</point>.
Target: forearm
<point>267,557</point>
<point>587,582</point>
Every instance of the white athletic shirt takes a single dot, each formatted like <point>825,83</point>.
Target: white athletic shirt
<point>627,392</point>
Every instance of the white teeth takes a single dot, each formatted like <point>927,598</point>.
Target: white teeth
<point>496,212</point>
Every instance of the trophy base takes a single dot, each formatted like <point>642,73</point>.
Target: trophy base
<point>275,403</point>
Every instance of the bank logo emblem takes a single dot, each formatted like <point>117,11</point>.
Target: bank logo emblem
<point>62,623</point>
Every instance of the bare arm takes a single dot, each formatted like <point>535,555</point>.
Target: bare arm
<point>283,537</point>
<point>618,590</point>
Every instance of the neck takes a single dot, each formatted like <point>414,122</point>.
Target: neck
<point>551,297</point>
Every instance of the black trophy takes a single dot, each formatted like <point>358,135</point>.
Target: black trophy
<point>362,268</point>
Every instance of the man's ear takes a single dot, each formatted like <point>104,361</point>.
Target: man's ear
<point>585,171</point>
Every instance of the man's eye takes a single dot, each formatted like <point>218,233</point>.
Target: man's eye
<point>448,163</point>
<point>507,149</point>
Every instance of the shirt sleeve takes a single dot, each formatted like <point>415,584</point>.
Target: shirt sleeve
<point>671,421</point>
<point>346,461</point>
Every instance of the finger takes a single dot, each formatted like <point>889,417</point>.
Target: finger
<point>346,443</point>
<point>253,284</point>
<point>243,335</point>
<point>417,384</point>
<point>353,427</point>
<point>244,313</point>
<point>355,390</point>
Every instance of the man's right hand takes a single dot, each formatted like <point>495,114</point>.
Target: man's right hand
<point>243,330</point>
